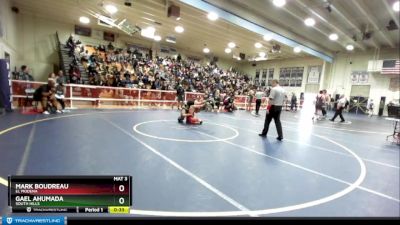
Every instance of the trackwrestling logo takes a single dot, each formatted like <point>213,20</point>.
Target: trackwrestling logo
<point>34,220</point>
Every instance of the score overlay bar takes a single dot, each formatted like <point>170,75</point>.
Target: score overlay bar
<point>75,194</point>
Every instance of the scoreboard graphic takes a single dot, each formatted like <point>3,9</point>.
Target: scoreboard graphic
<point>70,194</point>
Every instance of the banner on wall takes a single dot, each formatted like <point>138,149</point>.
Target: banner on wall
<point>164,49</point>
<point>314,72</point>
<point>359,77</point>
<point>108,36</point>
<point>354,78</point>
<point>83,31</point>
<point>194,58</point>
<point>394,84</point>
<point>138,47</point>
<point>363,79</point>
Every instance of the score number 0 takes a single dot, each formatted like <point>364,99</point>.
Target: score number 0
<point>121,200</point>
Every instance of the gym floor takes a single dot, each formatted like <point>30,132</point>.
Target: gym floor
<point>220,168</point>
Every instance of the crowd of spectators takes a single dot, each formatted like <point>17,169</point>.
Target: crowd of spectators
<point>111,66</point>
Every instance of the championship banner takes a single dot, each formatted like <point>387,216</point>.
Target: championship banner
<point>314,73</point>
<point>359,77</point>
<point>363,77</point>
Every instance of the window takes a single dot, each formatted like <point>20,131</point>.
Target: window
<point>291,76</point>
<point>257,74</point>
<point>264,77</point>
<point>270,76</point>
<point>283,75</point>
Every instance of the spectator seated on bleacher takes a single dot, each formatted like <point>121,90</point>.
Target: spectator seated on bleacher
<point>84,56</point>
<point>61,79</point>
<point>74,74</point>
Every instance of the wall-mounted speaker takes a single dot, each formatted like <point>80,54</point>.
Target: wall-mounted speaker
<point>15,9</point>
<point>242,56</point>
<point>174,11</point>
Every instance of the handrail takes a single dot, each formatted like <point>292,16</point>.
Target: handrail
<point>94,93</point>
<point>60,59</point>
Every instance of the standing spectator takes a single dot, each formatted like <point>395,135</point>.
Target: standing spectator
<point>180,94</point>
<point>286,102</point>
<point>339,108</point>
<point>276,97</point>
<point>332,103</point>
<point>325,103</point>
<point>24,74</point>
<point>329,102</point>
<point>319,102</point>
<point>217,99</point>
<point>293,102</point>
<point>61,78</point>
<point>371,108</point>
<point>71,45</point>
<point>259,95</point>
<point>301,99</point>
<point>250,99</point>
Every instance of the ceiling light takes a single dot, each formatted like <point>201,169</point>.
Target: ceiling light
<point>206,50</point>
<point>309,22</point>
<point>212,16</point>
<point>396,6</point>
<point>157,38</point>
<point>238,58</point>
<point>258,45</point>
<point>179,29</point>
<point>297,49</point>
<point>267,37</point>
<point>231,45</point>
<point>178,18</point>
<point>84,19</point>
<point>170,40</point>
<point>228,50</point>
<point>151,29</point>
<point>148,32</point>
<point>111,9</point>
<point>350,47</point>
<point>333,37</point>
<point>262,54</point>
<point>279,3</point>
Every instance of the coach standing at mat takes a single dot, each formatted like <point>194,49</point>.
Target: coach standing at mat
<point>276,97</point>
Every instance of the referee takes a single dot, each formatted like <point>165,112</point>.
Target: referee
<point>276,97</point>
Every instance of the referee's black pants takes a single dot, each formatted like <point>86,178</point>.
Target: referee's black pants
<point>338,113</point>
<point>258,104</point>
<point>275,113</point>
